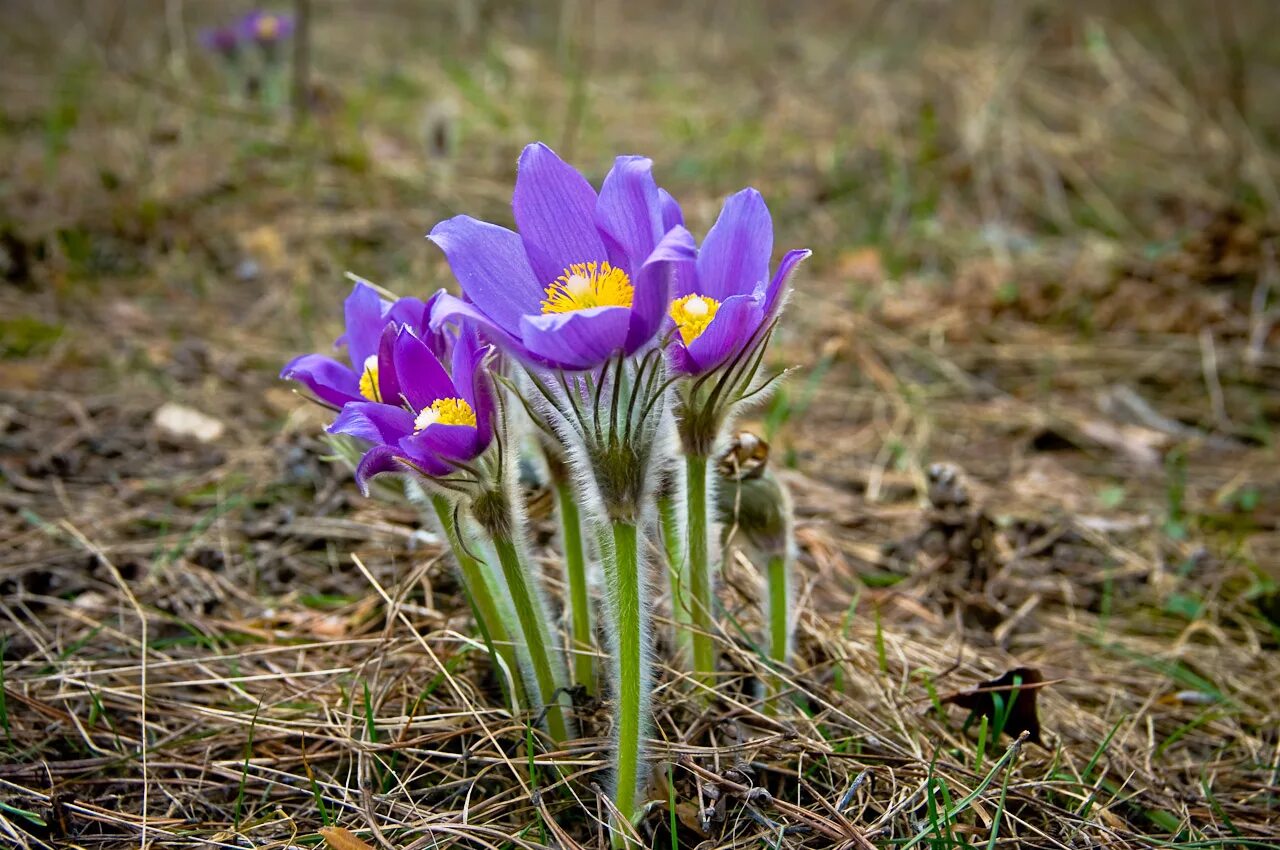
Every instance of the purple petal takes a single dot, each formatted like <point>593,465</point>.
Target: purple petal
<point>411,312</point>
<point>380,424</point>
<point>472,382</point>
<point>330,380</point>
<point>735,321</point>
<point>437,341</point>
<point>376,461</point>
<point>451,309</point>
<point>422,378</point>
<point>777,286</point>
<point>364,310</point>
<point>413,452</point>
<point>672,215</point>
<point>653,284</point>
<point>577,340</point>
<point>629,210</point>
<point>735,255</point>
<point>388,379</point>
<point>555,212</point>
<point>443,442</point>
<point>492,268</point>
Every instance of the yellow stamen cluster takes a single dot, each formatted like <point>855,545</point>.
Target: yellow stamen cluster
<point>585,285</point>
<point>268,27</point>
<point>369,379</point>
<point>692,314</point>
<point>445,411</point>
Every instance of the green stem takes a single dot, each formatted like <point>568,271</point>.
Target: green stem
<point>579,599</point>
<point>778,625</point>
<point>622,570</point>
<point>493,628</point>
<point>536,633</point>
<point>669,520</point>
<point>699,568</point>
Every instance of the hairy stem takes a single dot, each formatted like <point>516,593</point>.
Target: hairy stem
<point>698,530</point>
<point>622,568</point>
<point>669,521</point>
<point>483,606</point>
<point>536,632</point>
<point>575,562</point>
<point>779,627</point>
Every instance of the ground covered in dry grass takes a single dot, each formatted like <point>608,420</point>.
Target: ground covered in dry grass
<point>1033,431</point>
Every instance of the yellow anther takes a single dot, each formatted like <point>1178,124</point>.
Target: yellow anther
<point>692,314</point>
<point>585,285</point>
<point>445,411</point>
<point>268,27</point>
<point>369,379</point>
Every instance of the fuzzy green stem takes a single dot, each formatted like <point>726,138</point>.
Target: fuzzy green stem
<point>579,599</point>
<point>532,616</point>
<point>630,689</point>
<point>778,625</point>
<point>669,520</point>
<point>699,568</point>
<point>483,606</point>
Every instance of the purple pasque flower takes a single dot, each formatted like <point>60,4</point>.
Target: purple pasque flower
<point>429,420</point>
<point>368,314</point>
<point>588,274</point>
<point>724,298</point>
<point>224,41</point>
<point>265,28</point>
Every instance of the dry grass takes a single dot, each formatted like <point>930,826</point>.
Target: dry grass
<point>1046,248</point>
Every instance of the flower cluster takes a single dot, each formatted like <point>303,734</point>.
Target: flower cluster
<point>601,327</point>
<point>266,30</point>
<point>251,51</point>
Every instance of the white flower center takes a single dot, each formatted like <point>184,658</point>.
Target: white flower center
<point>429,416</point>
<point>696,308</point>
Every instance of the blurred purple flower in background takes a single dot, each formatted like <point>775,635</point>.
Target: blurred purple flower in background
<point>224,41</point>
<point>427,419</point>
<point>587,275</point>
<point>265,28</point>
<point>724,298</point>
<point>368,314</point>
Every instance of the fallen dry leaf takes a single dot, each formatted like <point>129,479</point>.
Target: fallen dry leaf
<point>1021,714</point>
<point>339,838</point>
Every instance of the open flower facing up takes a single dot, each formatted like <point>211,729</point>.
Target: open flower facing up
<point>426,419</point>
<point>586,277</point>
<point>725,306</point>
<point>367,315</point>
<point>726,299</point>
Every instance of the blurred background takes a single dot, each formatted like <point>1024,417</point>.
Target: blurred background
<point>1045,251</point>
<point>1059,218</point>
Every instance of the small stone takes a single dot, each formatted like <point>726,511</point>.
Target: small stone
<point>187,423</point>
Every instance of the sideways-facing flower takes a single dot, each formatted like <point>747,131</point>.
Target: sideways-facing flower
<point>224,41</point>
<point>726,299</point>
<point>265,28</point>
<point>427,420</point>
<point>587,275</point>
<point>367,315</point>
